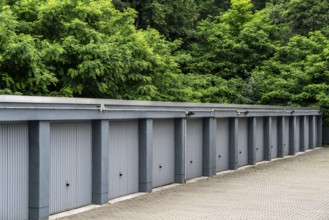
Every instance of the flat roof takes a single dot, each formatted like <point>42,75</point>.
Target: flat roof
<point>96,101</point>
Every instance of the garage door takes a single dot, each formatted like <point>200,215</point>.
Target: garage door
<point>306,134</point>
<point>13,171</point>
<point>297,145</point>
<point>222,145</point>
<point>243,142</point>
<point>70,165</point>
<point>274,138</point>
<point>123,158</point>
<point>315,144</point>
<point>286,136</point>
<point>312,135</point>
<point>193,159</point>
<point>163,152</point>
<point>259,139</point>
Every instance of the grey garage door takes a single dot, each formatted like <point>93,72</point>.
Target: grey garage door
<point>286,136</point>
<point>243,142</point>
<point>306,133</point>
<point>315,131</point>
<point>297,145</point>
<point>274,138</point>
<point>312,127</point>
<point>222,145</point>
<point>193,158</point>
<point>70,165</point>
<point>163,152</point>
<point>123,158</point>
<point>14,171</point>
<point>259,139</point>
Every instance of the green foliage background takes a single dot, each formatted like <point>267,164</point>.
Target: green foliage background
<point>240,51</point>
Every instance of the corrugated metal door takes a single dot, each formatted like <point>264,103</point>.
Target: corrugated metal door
<point>243,142</point>
<point>193,159</point>
<point>70,165</point>
<point>123,158</point>
<point>259,139</point>
<point>297,145</point>
<point>222,145</point>
<point>286,136</point>
<point>14,171</point>
<point>312,123</point>
<point>306,134</point>
<point>315,131</point>
<point>163,152</point>
<point>274,138</point>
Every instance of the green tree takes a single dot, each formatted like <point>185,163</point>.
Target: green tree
<point>173,19</point>
<point>302,16</point>
<point>233,44</point>
<point>259,4</point>
<point>298,73</point>
<point>22,68</point>
<point>81,48</point>
<point>237,54</point>
<point>212,8</point>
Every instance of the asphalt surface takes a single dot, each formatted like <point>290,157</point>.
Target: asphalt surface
<point>291,188</point>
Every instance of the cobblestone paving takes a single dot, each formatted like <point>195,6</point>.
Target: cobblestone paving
<point>293,188</point>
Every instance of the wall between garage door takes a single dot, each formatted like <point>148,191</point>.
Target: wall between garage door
<point>62,153</point>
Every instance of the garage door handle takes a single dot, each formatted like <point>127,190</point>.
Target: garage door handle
<point>257,148</point>
<point>191,161</point>
<point>120,174</point>
<point>160,166</point>
<point>240,152</point>
<point>220,156</point>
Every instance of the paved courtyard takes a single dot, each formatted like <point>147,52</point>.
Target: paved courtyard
<point>292,188</point>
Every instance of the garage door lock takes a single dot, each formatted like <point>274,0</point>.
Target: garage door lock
<point>120,174</point>
<point>219,156</point>
<point>67,184</point>
<point>191,161</point>
<point>160,166</point>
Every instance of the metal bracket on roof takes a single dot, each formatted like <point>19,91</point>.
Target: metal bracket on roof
<point>102,108</point>
<point>242,112</point>
<point>189,114</point>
